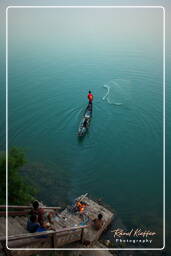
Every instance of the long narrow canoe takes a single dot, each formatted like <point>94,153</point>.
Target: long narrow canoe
<point>85,122</point>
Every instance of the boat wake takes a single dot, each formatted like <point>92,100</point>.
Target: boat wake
<point>118,92</point>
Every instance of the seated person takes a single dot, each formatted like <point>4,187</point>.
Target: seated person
<point>32,224</point>
<point>41,213</point>
<point>98,222</point>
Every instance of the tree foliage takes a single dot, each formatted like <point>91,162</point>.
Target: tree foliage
<point>19,192</point>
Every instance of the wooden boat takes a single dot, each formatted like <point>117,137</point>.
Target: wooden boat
<point>85,122</point>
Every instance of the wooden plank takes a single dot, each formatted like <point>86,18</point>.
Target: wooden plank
<point>27,207</point>
<point>58,241</point>
<point>37,234</point>
<point>14,213</point>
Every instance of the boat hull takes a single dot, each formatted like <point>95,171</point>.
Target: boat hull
<point>82,130</point>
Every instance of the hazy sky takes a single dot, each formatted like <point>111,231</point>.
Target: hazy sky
<point>85,27</point>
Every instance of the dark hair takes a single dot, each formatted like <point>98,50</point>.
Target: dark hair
<point>35,204</point>
<point>89,91</point>
<point>33,217</point>
<point>100,216</point>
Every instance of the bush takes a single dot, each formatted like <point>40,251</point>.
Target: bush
<point>19,192</point>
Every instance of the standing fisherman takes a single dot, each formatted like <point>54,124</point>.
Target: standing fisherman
<point>90,97</point>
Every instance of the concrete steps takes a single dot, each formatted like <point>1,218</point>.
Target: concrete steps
<point>16,225</point>
<point>66,219</point>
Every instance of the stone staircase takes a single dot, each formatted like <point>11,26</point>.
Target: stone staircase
<point>16,225</point>
<point>69,228</point>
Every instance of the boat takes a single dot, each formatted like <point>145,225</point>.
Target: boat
<point>85,122</point>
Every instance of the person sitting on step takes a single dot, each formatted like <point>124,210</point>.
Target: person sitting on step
<point>32,223</point>
<point>43,216</point>
<point>98,222</point>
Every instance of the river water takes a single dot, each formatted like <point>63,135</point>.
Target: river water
<point>53,62</point>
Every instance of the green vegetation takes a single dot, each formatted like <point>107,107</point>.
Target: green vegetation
<point>19,192</point>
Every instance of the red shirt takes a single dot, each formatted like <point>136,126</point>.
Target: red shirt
<point>90,97</point>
